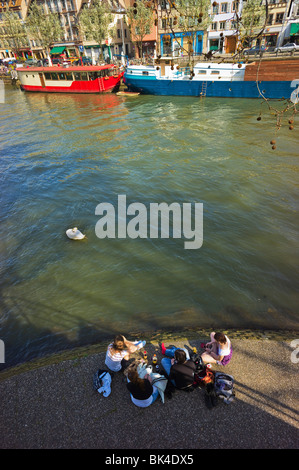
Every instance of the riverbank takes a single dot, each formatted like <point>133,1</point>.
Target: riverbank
<point>50,403</point>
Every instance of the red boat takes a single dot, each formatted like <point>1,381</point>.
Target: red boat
<point>77,79</point>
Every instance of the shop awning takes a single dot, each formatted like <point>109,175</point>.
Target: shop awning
<point>57,50</point>
<point>95,46</point>
<point>294,29</point>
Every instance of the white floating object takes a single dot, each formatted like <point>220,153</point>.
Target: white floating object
<point>75,234</point>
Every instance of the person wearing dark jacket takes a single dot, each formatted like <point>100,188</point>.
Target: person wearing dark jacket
<point>179,369</point>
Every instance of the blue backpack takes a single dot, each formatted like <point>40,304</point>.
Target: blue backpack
<point>224,387</point>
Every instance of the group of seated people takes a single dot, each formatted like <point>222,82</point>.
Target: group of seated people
<point>178,366</point>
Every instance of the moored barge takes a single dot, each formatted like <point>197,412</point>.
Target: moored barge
<point>75,79</point>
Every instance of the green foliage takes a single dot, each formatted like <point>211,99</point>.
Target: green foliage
<point>141,21</point>
<point>253,19</point>
<point>13,33</point>
<point>43,28</point>
<point>95,22</point>
<point>193,15</point>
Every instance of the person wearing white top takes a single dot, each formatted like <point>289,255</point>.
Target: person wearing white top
<point>118,352</point>
<point>218,350</point>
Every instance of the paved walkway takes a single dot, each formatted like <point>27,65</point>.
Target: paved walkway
<point>55,406</point>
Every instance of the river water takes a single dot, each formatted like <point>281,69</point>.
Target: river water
<point>62,155</point>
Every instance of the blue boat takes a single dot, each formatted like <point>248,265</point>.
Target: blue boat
<point>206,79</point>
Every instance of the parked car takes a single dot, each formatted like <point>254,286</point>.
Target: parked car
<point>56,61</point>
<point>31,62</point>
<point>255,50</point>
<point>85,61</point>
<point>289,47</point>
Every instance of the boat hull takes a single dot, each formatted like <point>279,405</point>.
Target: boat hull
<point>220,89</point>
<point>77,87</point>
<point>93,79</point>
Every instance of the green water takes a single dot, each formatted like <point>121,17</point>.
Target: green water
<point>62,155</point>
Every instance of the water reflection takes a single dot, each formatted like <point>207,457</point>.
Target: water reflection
<point>64,154</point>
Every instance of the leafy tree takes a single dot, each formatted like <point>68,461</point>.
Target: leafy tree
<point>44,27</point>
<point>13,33</point>
<point>95,22</point>
<point>141,21</point>
<point>252,21</point>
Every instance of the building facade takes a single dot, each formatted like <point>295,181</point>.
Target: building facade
<point>222,33</point>
<point>290,29</point>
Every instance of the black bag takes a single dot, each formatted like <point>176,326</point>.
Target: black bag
<point>198,362</point>
<point>210,397</point>
<point>169,390</point>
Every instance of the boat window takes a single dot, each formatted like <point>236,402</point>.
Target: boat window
<point>144,73</point>
<point>215,72</point>
<point>62,76</point>
<point>54,76</point>
<point>99,74</point>
<point>84,76</point>
<point>201,71</point>
<point>92,75</point>
<point>47,76</point>
<point>69,76</point>
<point>76,76</point>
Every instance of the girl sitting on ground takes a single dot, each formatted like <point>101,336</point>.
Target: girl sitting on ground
<point>118,352</point>
<point>218,350</point>
<point>142,392</point>
<point>178,366</point>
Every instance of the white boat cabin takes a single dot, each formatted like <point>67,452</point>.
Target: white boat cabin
<point>165,68</point>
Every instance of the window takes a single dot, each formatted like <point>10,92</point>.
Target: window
<point>163,23</point>
<point>215,9</point>
<point>201,72</point>
<point>84,76</point>
<point>48,76</point>
<point>214,26</point>
<point>118,33</point>
<point>61,76</point>
<point>215,72</point>
<point>54,76</point>
<point>270,19</point>
<point>279,18</point>
<point>222,25</point>
<point>235,6</point>
<point>69,76</point>
<point>223,7</point>
<point>144,73</point>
